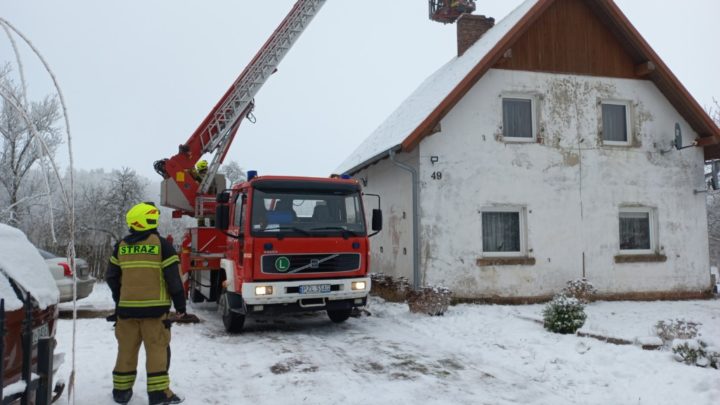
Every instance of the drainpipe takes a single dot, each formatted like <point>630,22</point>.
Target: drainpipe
<point>416,217</point>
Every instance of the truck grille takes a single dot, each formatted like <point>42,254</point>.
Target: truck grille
<point>310,263</point>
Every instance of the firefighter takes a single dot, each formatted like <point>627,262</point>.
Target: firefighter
<point>143,276</point>
<point>201,168</point>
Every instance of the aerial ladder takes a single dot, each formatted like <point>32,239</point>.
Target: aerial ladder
<point>181,189</point>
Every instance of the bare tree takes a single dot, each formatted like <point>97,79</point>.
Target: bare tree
<point>233,172</point>
<point>19,150</point>
<point>101,201</point>
<point>713,204</point>
<point>124,190</point>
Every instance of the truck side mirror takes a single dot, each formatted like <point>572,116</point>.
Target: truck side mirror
<point>223,198</point>
<point>377,220</point>
<point>222,217</point>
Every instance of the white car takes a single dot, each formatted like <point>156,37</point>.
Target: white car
<point>62,273</point>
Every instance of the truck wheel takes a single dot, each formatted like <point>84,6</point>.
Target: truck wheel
<point>195,295</point>
<point>339,315</point>
<point>232,321</point>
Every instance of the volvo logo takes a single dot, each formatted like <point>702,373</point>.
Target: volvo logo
<point>282,264</point>
<point>314,263</point>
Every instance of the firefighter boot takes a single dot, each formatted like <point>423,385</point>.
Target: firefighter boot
<point>122,396</point>
<point>162,398</point>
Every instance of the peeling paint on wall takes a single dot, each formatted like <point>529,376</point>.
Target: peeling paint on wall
<point>570,183</point>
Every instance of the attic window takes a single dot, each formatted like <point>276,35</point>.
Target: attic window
<point>518,119</point>
<point>615,123</point>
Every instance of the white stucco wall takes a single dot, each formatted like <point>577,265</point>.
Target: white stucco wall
<point>570,185</point>
<point>391,250</point>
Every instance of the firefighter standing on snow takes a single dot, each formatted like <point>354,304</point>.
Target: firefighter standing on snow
<point>143,276</point>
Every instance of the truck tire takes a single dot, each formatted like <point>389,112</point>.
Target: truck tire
<point>339,315</point>
<point>194,293</point>
<point>232,321</point>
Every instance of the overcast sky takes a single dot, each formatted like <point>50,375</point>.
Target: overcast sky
<point>139,76</point>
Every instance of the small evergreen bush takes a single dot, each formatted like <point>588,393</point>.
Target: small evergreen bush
<point>564,314</point>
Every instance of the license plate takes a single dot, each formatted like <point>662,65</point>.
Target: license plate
<point>40,332</point>
<point>315,289</point>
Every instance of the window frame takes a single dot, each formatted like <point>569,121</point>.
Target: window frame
<point>652,231</point>
<point>533,116</point>
<point>522,225</point>
<point>628,122</point>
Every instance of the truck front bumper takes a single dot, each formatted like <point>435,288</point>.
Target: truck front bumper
<point>296,292</point>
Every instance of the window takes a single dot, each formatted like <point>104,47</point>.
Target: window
<point>637,230</point>
<point>239,219</point>
<point>307,213</point>
<point>518,118</point>
<point>615,123</point>
<point>503,232</point>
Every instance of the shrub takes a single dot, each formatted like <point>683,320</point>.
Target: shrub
<point>564,314</point>
<point>669,330</point>
<point>695,352</point>
<point>581,289</point>
<point>389,289</point>
<point>429,300</point>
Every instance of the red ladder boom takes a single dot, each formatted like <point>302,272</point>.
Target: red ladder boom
<point>216,132</point>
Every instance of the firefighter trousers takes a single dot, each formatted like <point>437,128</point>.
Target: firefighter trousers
<point>154,334</point>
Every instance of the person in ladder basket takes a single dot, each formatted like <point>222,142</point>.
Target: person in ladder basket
<point>143,277</point>
<point>200,170</point>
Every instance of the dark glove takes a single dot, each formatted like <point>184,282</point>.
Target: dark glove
<point>112,318</point>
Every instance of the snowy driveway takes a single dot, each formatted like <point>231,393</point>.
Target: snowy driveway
<point>472,355</point>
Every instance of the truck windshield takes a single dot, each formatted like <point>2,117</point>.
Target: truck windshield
<point>313,213</point>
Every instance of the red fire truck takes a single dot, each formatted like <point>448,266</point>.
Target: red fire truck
<point>280,243</point>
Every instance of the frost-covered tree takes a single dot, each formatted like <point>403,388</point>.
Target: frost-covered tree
<point>125,189</point>
<point>20,151</point>
<point>713,205</point>
<point>101,201</point>
<point>233,172</point>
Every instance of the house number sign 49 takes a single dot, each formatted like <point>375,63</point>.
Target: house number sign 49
<point>436,175</point>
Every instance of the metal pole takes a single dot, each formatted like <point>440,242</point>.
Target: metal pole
<point>43,394</point>
<point>27,349</point>
<point>416,218</point>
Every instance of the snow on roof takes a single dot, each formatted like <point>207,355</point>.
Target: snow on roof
<point>8,294</point>
<point>411,113</point>
<point>20,261</point>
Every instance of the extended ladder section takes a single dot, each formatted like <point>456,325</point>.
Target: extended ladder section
<point>179,189</point>
<point>216,135</point>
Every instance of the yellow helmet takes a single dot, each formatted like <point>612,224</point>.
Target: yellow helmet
<point>201,165</point>
<point>143,217</point>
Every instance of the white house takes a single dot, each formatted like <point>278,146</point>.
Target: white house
<point>544,152</point>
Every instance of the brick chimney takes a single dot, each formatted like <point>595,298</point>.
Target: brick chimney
<point>470,28</point>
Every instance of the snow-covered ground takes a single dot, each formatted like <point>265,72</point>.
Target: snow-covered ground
<point>474,354</point>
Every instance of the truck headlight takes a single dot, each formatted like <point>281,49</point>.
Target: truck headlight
<point>263,290</point>
<point>358,285</point>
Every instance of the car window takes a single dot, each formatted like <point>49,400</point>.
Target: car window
<point>46,254</point>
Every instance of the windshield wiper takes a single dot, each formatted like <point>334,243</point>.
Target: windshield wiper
<point>345,232</point>
<point>289,228</point>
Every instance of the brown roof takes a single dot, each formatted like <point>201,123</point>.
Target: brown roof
<point>636,46</point>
